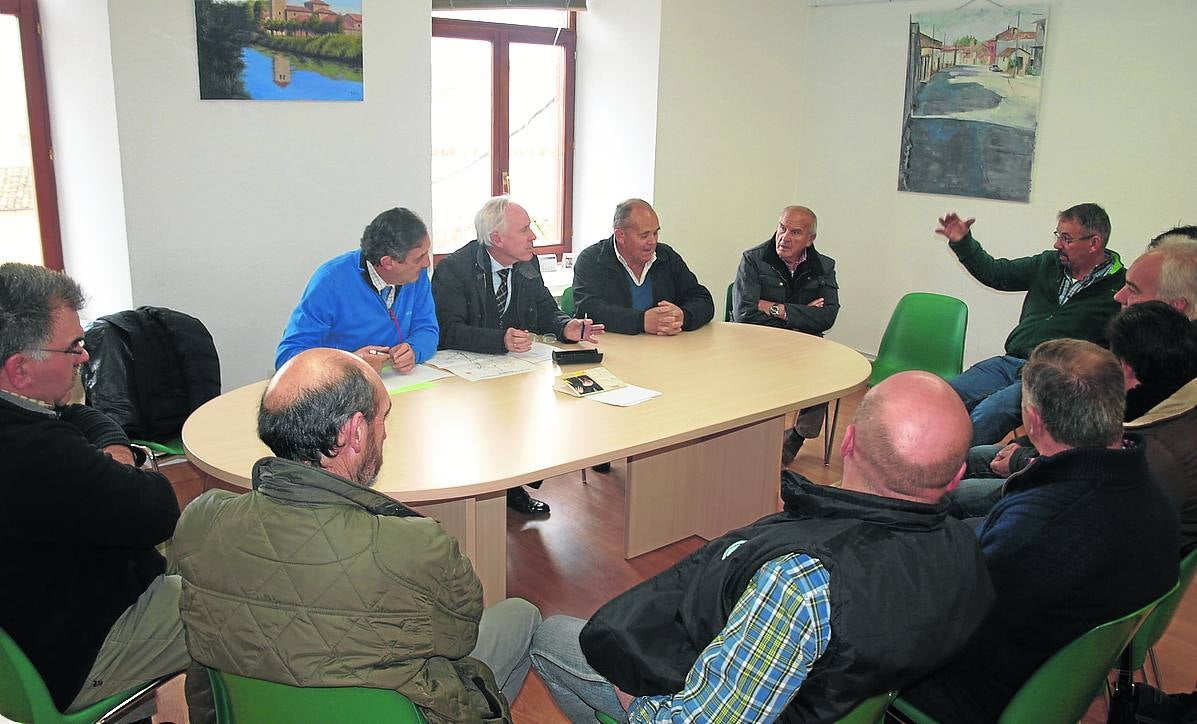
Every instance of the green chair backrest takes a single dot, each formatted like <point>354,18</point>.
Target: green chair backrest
<point>567,301</point>
<point>925,332</point>
<point>24,697</point>
<point>1157,622</point>
<point>869,711</point>
<point>1065,686</point>
<point>604,718</point>
<point>239,700</point>
<point>727,310</point>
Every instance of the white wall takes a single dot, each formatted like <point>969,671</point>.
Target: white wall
<point>87,161</point>
<point>1115,127</point>
<point>615,117</point>
<point>232,204</point>
<point>729,103</point>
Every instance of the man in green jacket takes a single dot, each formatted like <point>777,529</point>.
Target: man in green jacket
<point>1070,293</point>
<point>314,579</point>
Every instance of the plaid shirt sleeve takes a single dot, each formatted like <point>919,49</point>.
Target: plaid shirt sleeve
<point>778,629</point>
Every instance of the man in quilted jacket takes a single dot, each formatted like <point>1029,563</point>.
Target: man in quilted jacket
<point>314,579</point>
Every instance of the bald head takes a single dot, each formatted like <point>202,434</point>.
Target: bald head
<point>311,400</point>
<point>908,440</point>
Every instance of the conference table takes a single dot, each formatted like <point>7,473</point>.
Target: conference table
<point>702,458</point>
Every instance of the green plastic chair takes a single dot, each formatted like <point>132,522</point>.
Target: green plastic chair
<point>567,301</point>
<point>925,332</point>
<point>240,700</point>
<point>1153,628</point>
<point>24,697</point>
<point>1064,687</point>
<point>171,447</point>
<point>727,309</point>
<point>869,711</point>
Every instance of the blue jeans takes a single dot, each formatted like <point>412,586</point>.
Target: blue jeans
<point>578,689</point>
<point>977,462</point>
<point>973,498</point>
<point>992,393</point>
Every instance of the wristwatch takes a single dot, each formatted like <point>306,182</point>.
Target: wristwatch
<point>775,310</point>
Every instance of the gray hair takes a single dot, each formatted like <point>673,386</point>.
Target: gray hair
<point>1079,391</point>
<point>393,233</point>
<point>814,219</point>
<point>490,217</point>
<point>1091,217</point>
<point>624,209</point>
<point>305,429</point>
<point>1178,272</point>
<point>29,297</point>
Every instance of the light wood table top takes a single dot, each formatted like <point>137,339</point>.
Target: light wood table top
<point>458,439</point>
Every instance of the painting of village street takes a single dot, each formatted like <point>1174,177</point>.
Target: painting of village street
<point>972,101</point>
<point>272,50</point>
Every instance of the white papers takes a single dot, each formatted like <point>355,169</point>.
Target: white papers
<point>540,352</point>
<point>474,366</point>
<point>625,396</point>
<point>421,374</point>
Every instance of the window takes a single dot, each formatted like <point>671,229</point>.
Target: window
<point>28,198</point>
<point>502,121</point>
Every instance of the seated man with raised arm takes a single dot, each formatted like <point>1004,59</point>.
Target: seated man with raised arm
<point>801,615</point>
<point>375,301</point>
<point>1084,535</point>
<point>1069,293</point>
<point>86,596</point>
<point>631,283</point>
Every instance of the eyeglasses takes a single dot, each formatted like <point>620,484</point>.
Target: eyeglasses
<point>77,349</point>
<point>545,338</point>
<point>1066,239</point>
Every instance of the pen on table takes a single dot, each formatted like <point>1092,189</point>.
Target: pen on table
<point>585,321</point>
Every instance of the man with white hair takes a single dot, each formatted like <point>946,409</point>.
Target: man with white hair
<point>490,297</point>
<point>1167,271</point>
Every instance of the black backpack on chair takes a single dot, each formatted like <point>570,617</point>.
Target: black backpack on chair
<point>150,368</point>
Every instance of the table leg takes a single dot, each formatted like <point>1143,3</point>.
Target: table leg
<point>480,527</point>
<point>705,487</point>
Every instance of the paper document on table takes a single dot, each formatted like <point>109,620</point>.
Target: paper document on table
<point>625,396</point>
<point>474,366</point>
<point>420,374</point>
<point>593,381</point>
<point>540,352</point>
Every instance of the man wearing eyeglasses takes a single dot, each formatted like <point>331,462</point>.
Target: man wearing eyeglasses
<point>491,298</point>
<point>1070,293</point>
<point>87,600</point>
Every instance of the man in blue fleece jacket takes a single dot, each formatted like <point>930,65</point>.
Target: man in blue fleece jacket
<point>375,302</point>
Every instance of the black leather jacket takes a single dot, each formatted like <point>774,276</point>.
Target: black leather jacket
<point>763,275</point>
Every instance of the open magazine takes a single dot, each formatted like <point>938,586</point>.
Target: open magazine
<point>587,382</point>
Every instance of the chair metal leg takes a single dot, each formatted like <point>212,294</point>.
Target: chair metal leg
<point>829,433</point>
<point>584,477</point>
<point>1155,669</point>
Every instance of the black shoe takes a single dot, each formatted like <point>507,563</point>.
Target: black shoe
<point>790,447</point>
<point>519,501</point>
<point>601,468</point>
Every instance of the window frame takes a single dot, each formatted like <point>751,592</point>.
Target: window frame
<point>45,188</point>
<point>500,36</point>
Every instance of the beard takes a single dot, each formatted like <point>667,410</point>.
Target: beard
<point>367,471</point>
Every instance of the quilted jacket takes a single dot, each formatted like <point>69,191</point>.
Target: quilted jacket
<point>311,580</point>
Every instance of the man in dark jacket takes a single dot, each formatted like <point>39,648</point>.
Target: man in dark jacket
<point>1082,536</point>
<point>784,282</point>
<point>633,284</point>
<point>490,298</point>
<point>86,598</point>
<point>846,594</point>
<point>1070,293</point>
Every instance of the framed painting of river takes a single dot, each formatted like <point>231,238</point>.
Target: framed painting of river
<point>972,100</point>
<point>272,50</point>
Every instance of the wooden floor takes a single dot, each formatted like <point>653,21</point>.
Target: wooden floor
<point>571,562</point>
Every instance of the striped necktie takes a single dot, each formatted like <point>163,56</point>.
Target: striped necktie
<point>501,292</point>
